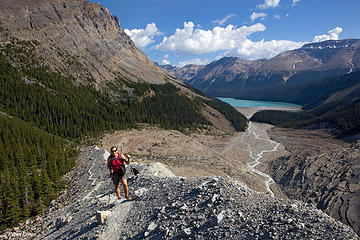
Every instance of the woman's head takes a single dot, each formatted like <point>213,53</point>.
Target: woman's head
<point>113,150</point>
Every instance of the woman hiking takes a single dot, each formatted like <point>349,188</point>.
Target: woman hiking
<point>116,165</point>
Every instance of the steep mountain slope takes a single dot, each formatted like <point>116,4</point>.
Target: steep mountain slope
<point>80,38</point>
<point>330,103</point>
<point>235,77</point>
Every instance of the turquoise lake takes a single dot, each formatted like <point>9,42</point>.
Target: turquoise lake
<point>250,103</point>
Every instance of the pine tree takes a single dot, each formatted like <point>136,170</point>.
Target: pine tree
<point>12,210</point>
<point>47,191</point>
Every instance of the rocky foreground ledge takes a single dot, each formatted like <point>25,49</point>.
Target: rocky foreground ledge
<point>168,207</point>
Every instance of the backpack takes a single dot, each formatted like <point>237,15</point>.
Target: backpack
<point>117,165</point>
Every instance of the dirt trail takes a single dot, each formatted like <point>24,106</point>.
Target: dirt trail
<point>114,223</point>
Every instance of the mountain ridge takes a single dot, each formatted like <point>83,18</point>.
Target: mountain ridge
<point>233,77</point>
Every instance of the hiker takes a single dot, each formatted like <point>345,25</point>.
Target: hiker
<point>116,164</point>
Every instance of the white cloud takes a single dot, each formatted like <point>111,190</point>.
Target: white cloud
<point>277,16</point>
<point>191,41</point>
<point>166,55</point>
<point>263,49</point>
<point>295,1</point>
<point>143,37</point>
<point>222,21</point>
<point>333,34</point>
<point>165,62</point>
<point>268,4</point>
<point>196,61</point>
<point>231,40</point>
<point>256,15</point>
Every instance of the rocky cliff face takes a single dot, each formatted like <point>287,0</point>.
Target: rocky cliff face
<point>321,171</point>
<point>309,63</point>
<point>80,38</point>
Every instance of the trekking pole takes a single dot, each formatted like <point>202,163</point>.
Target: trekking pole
<point>110,187</point>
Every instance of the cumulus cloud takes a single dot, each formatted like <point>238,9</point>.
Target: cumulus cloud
<point>333,34</point>
<point>262,49</point>
<point>165,62</point>
<point>189,41</point>
<point>143,37</point>
<point>256,15</point>
<point>269,4</point>
<point>231,40</point>
<point>295,1</point>
<point>222,21</point>
<point>196,61</point>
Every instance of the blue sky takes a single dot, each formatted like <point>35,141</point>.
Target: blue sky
<point>181,32</point>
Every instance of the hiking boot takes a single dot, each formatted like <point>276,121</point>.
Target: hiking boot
<point>128,197</point>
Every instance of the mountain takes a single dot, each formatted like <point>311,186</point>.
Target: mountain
<point>82,41</point>
<point>69,74</point>
<point>185,73</point>
<point>233,77</point>
<point>328,103</point>
<point>80,38</point>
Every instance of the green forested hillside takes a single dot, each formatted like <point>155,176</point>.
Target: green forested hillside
<point>313,95</point>
<point>238,120</point>
<point>54,103</point>
<point>346,118</point>
<point>334,101</point>
<point>32,162</point>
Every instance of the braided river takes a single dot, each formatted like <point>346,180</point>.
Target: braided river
<point>256,140</point>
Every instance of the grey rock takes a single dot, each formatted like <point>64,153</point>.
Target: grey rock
<point>186,232</point>
<point>61,221</point>
<point>152,226</point>
<point>101,216</point>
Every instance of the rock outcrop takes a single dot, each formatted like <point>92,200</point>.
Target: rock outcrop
<point>321,171</point>
<point>80,38</point>
<point>166,206</point>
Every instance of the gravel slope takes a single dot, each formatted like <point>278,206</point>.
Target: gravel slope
<point>168,207</point>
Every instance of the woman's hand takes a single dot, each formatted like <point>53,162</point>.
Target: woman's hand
<point>128,158</point>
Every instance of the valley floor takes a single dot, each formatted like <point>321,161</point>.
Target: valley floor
<point>194,155</point>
